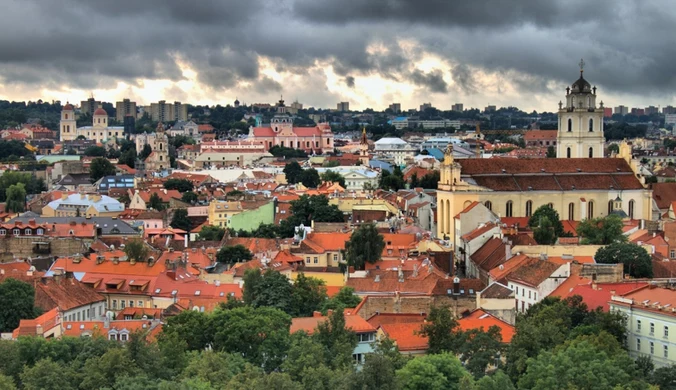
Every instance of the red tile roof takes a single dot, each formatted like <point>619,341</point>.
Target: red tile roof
<point>533,274</point>
<point>664,194</point>
<point>480,319</point>
<point>309,324</point>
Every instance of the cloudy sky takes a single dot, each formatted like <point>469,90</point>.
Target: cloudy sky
<point>368,52</point>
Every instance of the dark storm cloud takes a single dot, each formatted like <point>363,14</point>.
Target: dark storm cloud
<point>433,80</point>
<point>529,43</point>
<point>475,13</point>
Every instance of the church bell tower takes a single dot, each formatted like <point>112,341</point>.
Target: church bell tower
<point>580,133</point>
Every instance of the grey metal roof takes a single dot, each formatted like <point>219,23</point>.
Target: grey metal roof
<point>107,224</point>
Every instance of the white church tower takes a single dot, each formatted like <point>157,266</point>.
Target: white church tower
<point>580,133</point>
<point>68,124</point>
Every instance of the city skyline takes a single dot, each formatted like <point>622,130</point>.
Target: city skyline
<point>321,53</point>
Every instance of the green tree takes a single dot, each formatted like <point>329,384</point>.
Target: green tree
<point>498,381</point>
<point>664,377</point>
<point>233,254</point>
<point>345,298</point>
<point>430,180</point>
<point>100,372</point>
<point>190,326</point>
<point>308,295</point>
<point>189,197</point>
<point>182,185</point>
<point>338,340</point>
<point>181,220</point>
<point>136,250</point>
<point>601,231</point>
<point>17,302</point>
<point>6,383</point>
<point>432,372</point>
<point>99,168</point>
<point>441,330</point>
<point>128,158</point>
<point>216,368</point>
<point>145,152</point>
<point>551,152</point>
<point>260,335</point>
<point>378,373</point>
<point>588,362</point>
<point>332,176</point>
<point>310,178</point>
<point>48,375</point>
<point>16,198</point>
<point>545,211</point>
<point>234,194</point>
<point>155,202</point>
<point>481,349</point>
<point>614,148</point>
<point>270,288</point>
<point>211,233</point>
<point>365,246</point>
<point>637,262</point>
<point>304,353</point>
<point>95,151</point>
<point>293,172</point>
<point>544,233</point>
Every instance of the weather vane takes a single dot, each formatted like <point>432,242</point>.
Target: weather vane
<point>581,65</point>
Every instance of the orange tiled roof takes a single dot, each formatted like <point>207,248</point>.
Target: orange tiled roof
<point>45,322</point>
<point>309,324</point>
<point>479,319</point>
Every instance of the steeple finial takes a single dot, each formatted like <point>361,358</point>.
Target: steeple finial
<point>581,66</point>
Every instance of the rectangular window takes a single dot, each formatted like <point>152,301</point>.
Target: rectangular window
<point>529,297</point>
<point>123,337</point>
<point>666,351</point>
<point>307,260</point>
<point>666,331</point>
<point>652,328</point>
<point>114,304</point>
<point>335,258</point>
<point>638,345</point>
<point>652,348</point>
<point>112,336</point>
<point>140,303</point>
<point>316,260</point>
<point>517,290</point>
<point>672,254</point>
<point>535,296</point>
<point>638,325</point>
<point>131,303</point>
<point>123,304</point>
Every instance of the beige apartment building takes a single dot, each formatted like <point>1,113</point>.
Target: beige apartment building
<point>124,108</point>
<point>165,112</point>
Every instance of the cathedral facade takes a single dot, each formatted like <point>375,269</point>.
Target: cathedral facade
<point>579,184</point>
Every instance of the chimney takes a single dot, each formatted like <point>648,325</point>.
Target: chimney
<point>317,313</point>
<point>508,250</point>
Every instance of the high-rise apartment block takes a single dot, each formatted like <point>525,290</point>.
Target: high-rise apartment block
<point>395,107</point>
<point>166,112</point>
<point>668,110</point>
<point>124,108</point>
<point>89,106</point>
<point>343,107</point>
<point>651,110</point>
<point>622,110</point>
<point>457,107</point>
<point>425,106</point>
<point>490,109</point>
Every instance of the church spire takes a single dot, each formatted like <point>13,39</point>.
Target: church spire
<point>582,64</point>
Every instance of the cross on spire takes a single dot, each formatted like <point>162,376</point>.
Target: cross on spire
<point>581,65</point>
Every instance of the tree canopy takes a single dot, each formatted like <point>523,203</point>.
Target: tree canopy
<point>233,254</point>
<point>99,168</point>
<point>637,262</point>
<point>546,225</point>
<point>17,302</point>
<point>601,231</point>
<point>365,246</point>
<point>181,220</point>
<point>332,176</point>
<point>181,185</point>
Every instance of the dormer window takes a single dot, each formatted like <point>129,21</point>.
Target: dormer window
<point>71,232</point>
<point>3,232</point>
<point>16,232</point>
<point>29,232</point>
<point>39,232</point>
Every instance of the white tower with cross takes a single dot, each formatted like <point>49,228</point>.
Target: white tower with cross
<point>580,133</point>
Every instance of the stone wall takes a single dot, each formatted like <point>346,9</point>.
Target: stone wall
<point>24,247</point>
<point>414,304</point>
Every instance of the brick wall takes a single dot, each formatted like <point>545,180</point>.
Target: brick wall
<point>23,247</point>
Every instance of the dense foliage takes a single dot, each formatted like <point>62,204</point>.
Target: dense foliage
<point>601,231</point>
<point>637,262</point>
<point>364,246</point>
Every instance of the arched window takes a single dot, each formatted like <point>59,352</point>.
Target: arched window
<point>590,210</point>
<point>508,208</point>
<point>589,102</point>
<point>610,206</point>
<point>571,211</point>
<point>66,116</point>
<point>568,152</point>
<point>489,205</point>
<point>591,152</point>
<point>570,125</point>
<point>160,146</point>
<point>16,232</point>
<point>591,124</point>
<point>631,209</point>
<point>550,205</point>
<point>529,208</point>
